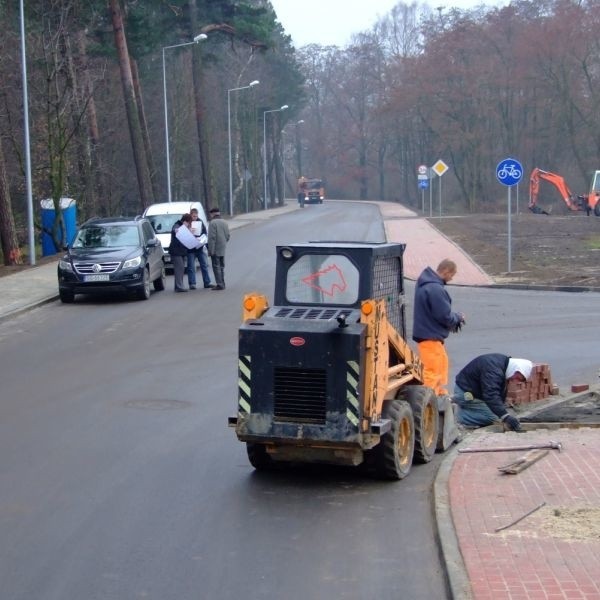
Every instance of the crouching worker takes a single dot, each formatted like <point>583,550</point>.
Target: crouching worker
<point>480,390</point>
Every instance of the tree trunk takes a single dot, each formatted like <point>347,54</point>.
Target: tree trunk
<point>8,233</point>
<point>95,175</point>
<point>208,186</point>
<point>131,107</point>
<point>144,126</point>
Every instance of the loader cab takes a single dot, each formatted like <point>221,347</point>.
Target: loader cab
<point>318,275</point>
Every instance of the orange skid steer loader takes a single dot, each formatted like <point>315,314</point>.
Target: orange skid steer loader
<point>325,374</point>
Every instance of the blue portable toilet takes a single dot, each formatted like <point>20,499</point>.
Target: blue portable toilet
<point>68,208</point>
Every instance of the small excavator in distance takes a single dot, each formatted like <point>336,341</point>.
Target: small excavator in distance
<point>325,374</point>
<point>588,203</point>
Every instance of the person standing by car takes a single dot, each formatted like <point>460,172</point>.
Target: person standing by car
<point>432,323</point>
<point>218,236</point>
<point>179,251</point>
<point>201,234</point>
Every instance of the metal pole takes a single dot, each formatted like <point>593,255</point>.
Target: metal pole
<point>423,200</point>
<point>430,198</point>
<point>440,191</point>
<point>230,167</point>
<point>31,234</point>
<point>265,158</point>
<point>284,107</point>
<point>245,87</point>
<point>509,234</point>
<point>197,39</point>
<point>166,127</point>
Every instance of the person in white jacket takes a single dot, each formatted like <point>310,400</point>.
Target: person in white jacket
<point>218,236</point>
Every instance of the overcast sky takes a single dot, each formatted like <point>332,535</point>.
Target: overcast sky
<point>332,22</point>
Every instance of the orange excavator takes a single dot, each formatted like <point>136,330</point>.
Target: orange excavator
<point>590,202</point>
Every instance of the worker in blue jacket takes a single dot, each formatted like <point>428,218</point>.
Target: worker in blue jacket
<point>480,389</point>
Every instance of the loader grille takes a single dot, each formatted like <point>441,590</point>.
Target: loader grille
<point>300,395</point>
<point>311,313</point>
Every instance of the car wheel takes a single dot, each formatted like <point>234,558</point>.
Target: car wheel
<point>66,296</point>
<point>161,282</point>
<point>143,292</point>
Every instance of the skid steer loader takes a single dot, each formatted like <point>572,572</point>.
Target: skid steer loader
<point>325,374</point>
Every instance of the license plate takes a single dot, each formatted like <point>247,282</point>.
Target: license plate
<point>92,278</point>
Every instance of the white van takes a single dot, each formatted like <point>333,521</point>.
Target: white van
<point>162,217</point>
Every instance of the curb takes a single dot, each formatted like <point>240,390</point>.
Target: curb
<point>458,579</point>
<point>23,309</point>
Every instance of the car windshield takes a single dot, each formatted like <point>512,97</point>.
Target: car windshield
<point>163,223</point>
<point>314,184</point>
<point>322,279</point>
<point>107,236</point>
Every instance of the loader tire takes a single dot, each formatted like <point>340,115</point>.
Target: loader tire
<point>393,457</point>
<point>423,402</point>
<point>258,456</point>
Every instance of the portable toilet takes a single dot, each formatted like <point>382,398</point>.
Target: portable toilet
<point>68,208</point>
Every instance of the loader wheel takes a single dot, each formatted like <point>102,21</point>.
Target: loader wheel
<point>258,456</point>
<point>394,455</point>
<point>423,402</point>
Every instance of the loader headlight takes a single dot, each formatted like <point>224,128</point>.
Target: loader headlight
<point>287,253</point>
<point>367,307</point>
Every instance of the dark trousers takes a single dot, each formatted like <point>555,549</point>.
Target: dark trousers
<point>200,254</point>
<point>218,266</point>
<point>178,270</point>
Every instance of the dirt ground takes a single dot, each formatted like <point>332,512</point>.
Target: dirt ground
<point>559,250</point>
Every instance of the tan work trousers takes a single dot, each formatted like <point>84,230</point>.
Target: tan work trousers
<point>435,365</point>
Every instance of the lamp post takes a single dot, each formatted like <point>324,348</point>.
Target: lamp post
<point>250,85</point>
<point>31,235</point>
<point>299,148</point>
<point>196,39</point>
<point>265,147</point>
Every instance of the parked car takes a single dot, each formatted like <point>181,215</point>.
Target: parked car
<point>162,217</point>
<point>116,253</point>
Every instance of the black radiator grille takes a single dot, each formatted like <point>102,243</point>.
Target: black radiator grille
<point>300,395</point>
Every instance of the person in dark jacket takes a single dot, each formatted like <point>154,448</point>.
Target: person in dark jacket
<point>178,252</point>
<point>218,236</point>
<point>433,321</point>
<point>480,389</point>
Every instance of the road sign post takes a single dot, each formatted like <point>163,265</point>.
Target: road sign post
<point>423,179</point>
<point>509,172</point>
<point>439,169</point>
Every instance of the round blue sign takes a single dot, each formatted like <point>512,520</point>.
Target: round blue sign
<point>423,184</point>
<point>509,171</point>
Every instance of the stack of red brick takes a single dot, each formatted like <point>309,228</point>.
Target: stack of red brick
<point>537,387</point>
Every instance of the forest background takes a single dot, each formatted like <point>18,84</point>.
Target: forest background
<point>468,87</point>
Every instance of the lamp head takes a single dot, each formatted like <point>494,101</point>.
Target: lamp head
<point>200,37</point>
<point>253,83</point>
<point>284,107</point>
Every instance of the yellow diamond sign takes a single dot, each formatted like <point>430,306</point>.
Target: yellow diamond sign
<point>440,167</point>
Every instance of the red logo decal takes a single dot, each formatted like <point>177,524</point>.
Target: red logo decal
<point>297,341</point>
<point>328,281</point>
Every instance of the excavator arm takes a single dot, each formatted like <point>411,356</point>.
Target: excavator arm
<point>557,181</point>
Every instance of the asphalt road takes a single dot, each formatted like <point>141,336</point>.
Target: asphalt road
<point>119,478</point>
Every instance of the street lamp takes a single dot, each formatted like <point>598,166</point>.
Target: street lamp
<point>196,39</point>
<point>299,148</point>
<point>31,235</point>
<point>251,84</point>
<point>265,147</point>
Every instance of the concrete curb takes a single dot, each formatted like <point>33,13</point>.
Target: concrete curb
<point>26,308</point>
<point>458,578</point>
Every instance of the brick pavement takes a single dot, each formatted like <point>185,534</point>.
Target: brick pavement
<point>553,554</point>
<point>427,246</point>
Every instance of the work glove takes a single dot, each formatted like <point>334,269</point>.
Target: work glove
<point>511,422</point>
<point>458,326</point>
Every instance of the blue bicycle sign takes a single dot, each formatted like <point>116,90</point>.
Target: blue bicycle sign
<point>509,171</point>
